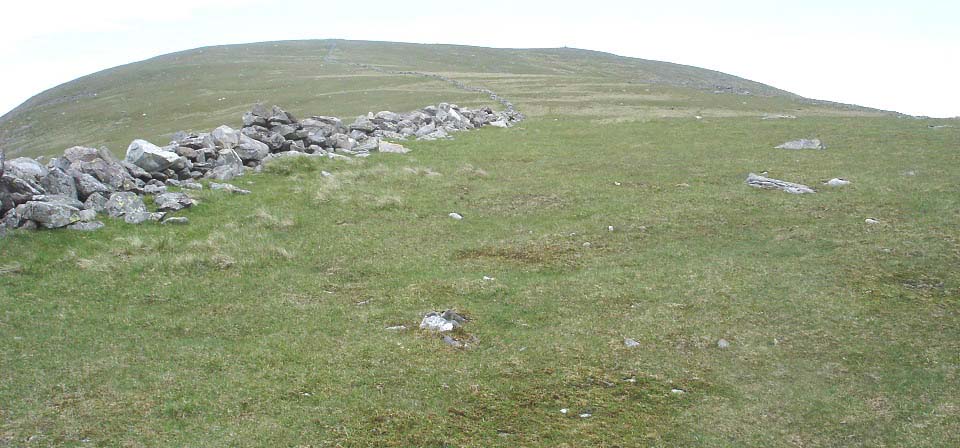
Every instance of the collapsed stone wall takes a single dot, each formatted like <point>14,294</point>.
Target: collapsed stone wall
<point>72,190</point>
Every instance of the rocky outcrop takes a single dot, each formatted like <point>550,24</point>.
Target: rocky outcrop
<point>767,183</point>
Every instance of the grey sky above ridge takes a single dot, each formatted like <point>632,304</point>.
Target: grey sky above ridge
<point>890,55</point>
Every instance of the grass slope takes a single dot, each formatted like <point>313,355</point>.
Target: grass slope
<point>262,322</point>
<point>204,88</point>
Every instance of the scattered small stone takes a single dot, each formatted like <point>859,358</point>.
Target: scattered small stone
<point>230,188</point>
<point>723,343</point>
<point>610,228</point>
<point>154,189</point>
<point>397,328</point>
<point>136,217</point>
<point>871,221</point>
<point>778,117</point>
<point>435,322</point>
<point>326,174</point>
<point>586,415</point>
<point>617,184</point>
<point>452,342</point>
<point>86,226</point>
<point>630,343</point>
<point>587,244</point>
<point>456,216</point>
<point>837,182</point>
<point>564,411</point>
<point>178,220</point>
<point>488,279</point>
<point>191,186</point>
<point>803,144</point>
<point>677,391</point>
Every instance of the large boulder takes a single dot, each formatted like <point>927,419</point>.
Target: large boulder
<point>124,203</point>
<point>225,137</point>
<point>171,202</point>
<point>59,182</point>
<point>81,154</point>
<point>363,124</point>
<point>50,215</point>
<point>250,149</point>
<point>150,157</point>
<point>228,165</point>
<point>341,141</point>
<point>88,185</point>
<point>280,116</point>
<point>96,202</point>
<point>59,199</point>
<point>112,174</point>
<point>272,139</point>
<point>25,168</point>
<point>15,191</point>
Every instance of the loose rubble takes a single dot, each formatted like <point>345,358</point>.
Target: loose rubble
<point>767,183</point>
<point>73,189</point>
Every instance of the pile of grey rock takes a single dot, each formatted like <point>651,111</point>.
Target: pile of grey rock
<point>70,191</point>
<point>278,131</point>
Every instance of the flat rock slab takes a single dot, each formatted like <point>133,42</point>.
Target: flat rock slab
<point>803,144</point>
<point>767,183</point>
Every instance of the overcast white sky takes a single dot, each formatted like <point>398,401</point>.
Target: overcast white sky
<point>896,55</point>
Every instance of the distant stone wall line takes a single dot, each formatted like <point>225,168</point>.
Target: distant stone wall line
<point>330,58</point>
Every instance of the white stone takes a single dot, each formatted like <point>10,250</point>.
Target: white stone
<point>434,322</point>
<point>456,216</point>
<point>837,182</point>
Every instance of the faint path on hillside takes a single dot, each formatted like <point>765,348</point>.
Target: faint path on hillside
<point>458,84</point>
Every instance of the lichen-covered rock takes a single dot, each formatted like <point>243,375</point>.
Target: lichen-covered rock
<point>88,185</point>
<point>86,226</point>
<point>124,203</point>
<point>26,169</point>
<point>171,202</point>
<point>96,202</point>
<point>49,215</point>
<point>59,182</point>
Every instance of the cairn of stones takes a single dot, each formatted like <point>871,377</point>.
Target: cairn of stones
<point>73,190</point>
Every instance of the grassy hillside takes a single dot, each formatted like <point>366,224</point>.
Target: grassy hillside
<point>263,322</point>
<point>204,88</point>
